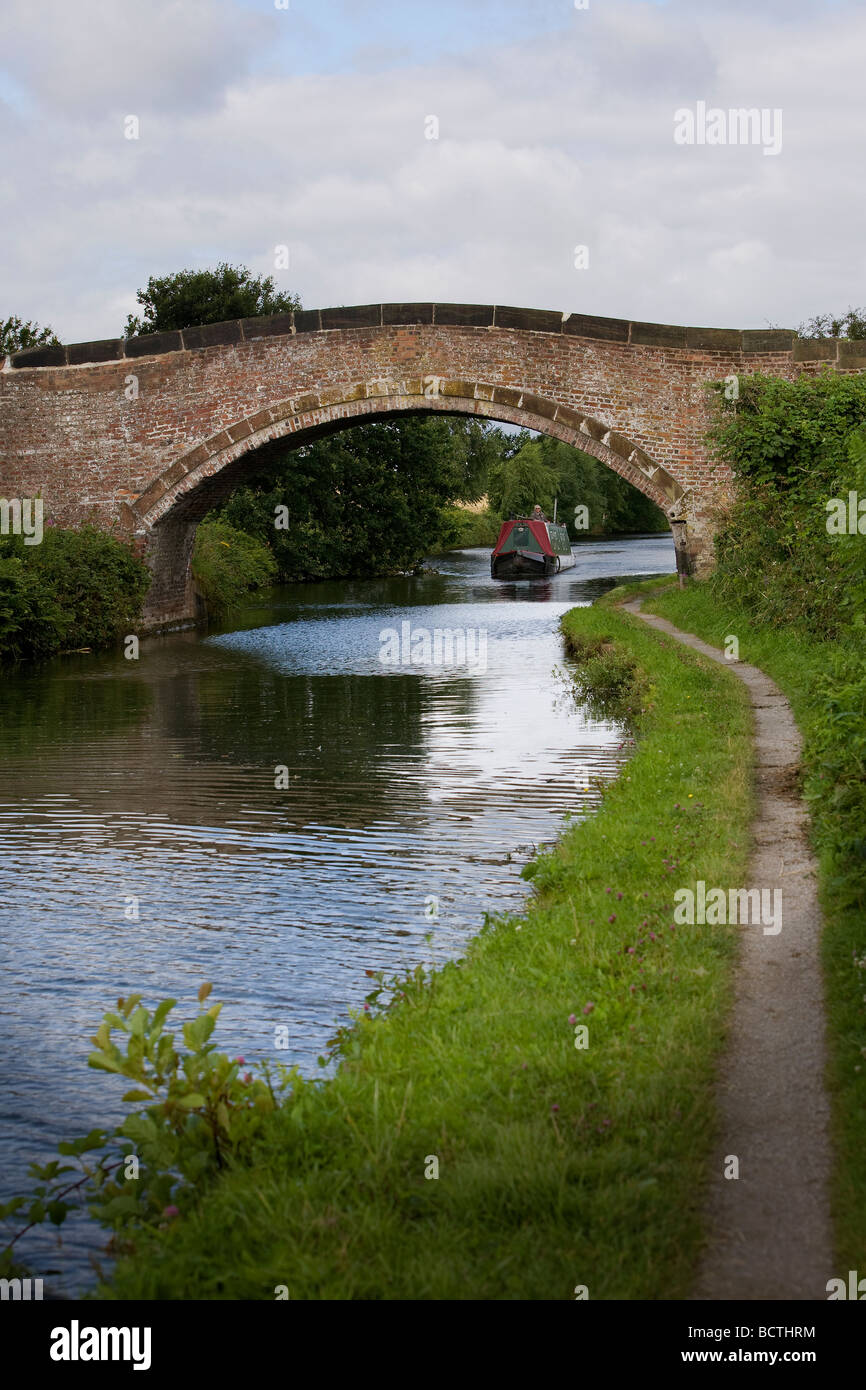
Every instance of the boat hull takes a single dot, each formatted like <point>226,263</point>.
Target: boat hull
<point>514,565</point>
<point>528,548</point>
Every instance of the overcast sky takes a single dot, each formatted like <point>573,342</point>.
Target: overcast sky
<point>307,127</point>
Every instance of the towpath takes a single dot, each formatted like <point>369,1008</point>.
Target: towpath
<point>769,1230</point>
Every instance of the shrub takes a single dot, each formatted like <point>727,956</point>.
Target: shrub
<point>29,621</point>
<point>77,588</point>
<point>462,528</point>
<point>793,446</point>
<point>201,1113</point>
<point>228,563</point>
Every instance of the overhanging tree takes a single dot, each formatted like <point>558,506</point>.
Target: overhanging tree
<point>369,500</point>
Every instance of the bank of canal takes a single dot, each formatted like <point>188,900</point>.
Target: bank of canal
<point>150,843</point>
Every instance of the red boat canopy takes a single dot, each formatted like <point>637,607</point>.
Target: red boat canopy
<point>538,529</point>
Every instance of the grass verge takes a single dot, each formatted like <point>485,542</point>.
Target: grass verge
<point>559,1164</point>
<point>799,663</point>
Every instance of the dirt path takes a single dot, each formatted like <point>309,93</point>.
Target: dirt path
<point>769,1234</point>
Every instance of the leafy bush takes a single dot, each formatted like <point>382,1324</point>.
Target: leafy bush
<point>202,1114</point>
<point>790,434</point>
<point>792,447</point>
<point>30,621</point>
<point>77,588</point>
<point>462,529</point>
<point>228,563</point>
<point>836,756</point>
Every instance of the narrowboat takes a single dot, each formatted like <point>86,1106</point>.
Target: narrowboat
<point>529,547</point>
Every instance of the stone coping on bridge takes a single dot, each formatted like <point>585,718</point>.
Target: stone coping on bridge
<point>836,351</point>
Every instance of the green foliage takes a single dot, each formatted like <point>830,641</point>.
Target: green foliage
<point>539,470</point>
<point>852,547</point>
<point>77,588</point>
<point>462,528</point>
<point>795,596</point>
<point>227,563</point>
<point>836,787</point>
<point>793,446</point>
<point>559,1160</point>
<point>790,434</point>
<point>471,449</point>
<point>517,483</point>
<point>16,334</point>
<point>556,1160</point>
<point>201,1115</point>
<point>31,622</point>
<point>608,679</point>
<point>191,297</point>
<point>366,501</point>
<point>849,325</point>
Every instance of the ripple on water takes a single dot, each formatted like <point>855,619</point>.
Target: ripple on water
<point>152,785</point>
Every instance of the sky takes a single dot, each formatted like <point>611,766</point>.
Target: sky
<point>439,151</point>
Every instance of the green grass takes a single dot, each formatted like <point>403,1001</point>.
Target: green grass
<point>558,1166</point>
<point>798,662</point>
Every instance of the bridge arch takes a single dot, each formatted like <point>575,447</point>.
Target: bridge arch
<point>140,436</point>
<point>168,511</point>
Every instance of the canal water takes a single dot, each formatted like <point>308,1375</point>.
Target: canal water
<point>276,806</point>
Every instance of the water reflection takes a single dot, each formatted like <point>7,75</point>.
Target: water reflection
<point>148,842</point>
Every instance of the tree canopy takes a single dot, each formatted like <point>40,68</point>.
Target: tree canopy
<point>16,334</point>
<point>374,498</point>
<point>851,324</point>
<point>540,470</point>
<point>369,500</point>
<point>189,298</point>
<point>520,479</point>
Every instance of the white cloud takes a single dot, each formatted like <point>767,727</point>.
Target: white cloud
<point>552,141</point>
<point>92,56</point>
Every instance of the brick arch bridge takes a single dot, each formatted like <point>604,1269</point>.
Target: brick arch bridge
<point>143,436</point>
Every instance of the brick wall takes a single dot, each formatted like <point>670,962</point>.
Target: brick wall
<point>143,436</point>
